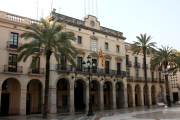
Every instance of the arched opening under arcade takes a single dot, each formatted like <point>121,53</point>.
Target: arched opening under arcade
<point>119,95</point>
<point>153,98</point>
<point>10,95</point>
<point>95,95</point>
<point>34,98</point>
<point>63,95</point>
<point>137,95</point>
<point>129,95</point>
<point>79,94</point>
<point>108,98</point>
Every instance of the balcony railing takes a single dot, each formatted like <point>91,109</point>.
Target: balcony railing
<point>64,67</point>
<point>129,78</point>
<point>99,71</point>
<point>128,63</point>
<point>143,66</point>
<point>15,69</point>
<point>148,79</point>
<point>154,79</point>
<point>137,65</point>
<point>36,70</point>
<point>12,45</point>
<point>138,79</point>
<point>161,80</point>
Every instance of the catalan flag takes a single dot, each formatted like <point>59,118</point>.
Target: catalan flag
<point>102,58</point>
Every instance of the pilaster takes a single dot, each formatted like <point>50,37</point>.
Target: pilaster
<point>52,100</point>
<point>113,99</point>
<point>101,99</point>
<point>71,100</point>
<point>141,98</point>
<point>22,102</point>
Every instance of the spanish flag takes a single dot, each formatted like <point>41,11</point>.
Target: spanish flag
<point>102,58</point>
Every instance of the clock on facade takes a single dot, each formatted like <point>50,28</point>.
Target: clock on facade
<point>92,23</point>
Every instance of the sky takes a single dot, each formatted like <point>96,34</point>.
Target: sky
<point>158,18</point>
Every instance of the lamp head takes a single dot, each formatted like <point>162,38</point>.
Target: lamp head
<point>84,64</point>
<point>88,58</point>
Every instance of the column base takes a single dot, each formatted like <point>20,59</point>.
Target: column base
<point>22,111</point>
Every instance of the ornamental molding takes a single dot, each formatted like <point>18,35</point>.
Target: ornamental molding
<point>119,59</point>
<point>81,52</point>
<point>94,54</point>
<point>107,57</point>
<point>93,37</point>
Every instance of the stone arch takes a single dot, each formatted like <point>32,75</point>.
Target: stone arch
<point>153,94</point>
<point>63,95</point>
<point>71,84</point>
<point>120,94</point>
<point>11,78</point>
<point>11,89</point>
<point>107,80</point>
<point>34,96</point>
<point>130,95</point>
<point>108,94</point>
<point>137,95</point>
<point>95,94</point>
<point>80,88</point>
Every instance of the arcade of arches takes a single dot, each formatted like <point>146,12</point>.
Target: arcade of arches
<point>71,95</point>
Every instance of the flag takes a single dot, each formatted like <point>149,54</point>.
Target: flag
<point>102,58</point>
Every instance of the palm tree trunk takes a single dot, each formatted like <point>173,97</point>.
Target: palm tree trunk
<point>145,74</point>
<point>48,54</point>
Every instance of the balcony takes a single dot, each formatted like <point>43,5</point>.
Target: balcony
<point>128,64</point>
<point>148,79</point>
<point>137,65</point>
<point>154,79</point>
<point>146,66</point>
<point>10,45</point>
<point>137,79</point>
<point>36,70</point>
<point>100,71</point>
<point>13,69</point>
<point>129,78</point>
<point>64,68</point>
<point>161,81</point>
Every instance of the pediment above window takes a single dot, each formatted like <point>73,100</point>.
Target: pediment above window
<point>118,59</point>
<point>94,54</point>
<point>107,57</point>
<point>81,52</point>
<point>93,37</point>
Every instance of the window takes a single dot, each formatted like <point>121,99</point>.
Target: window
<point>107,67</point>
<point>159,76</point>
<point>152,73</point>
<point>35,65</point>
<point>79,63</point>
<point>127,60</point>
<point>36,48</point>
<point>117,48</point>
<point>136,64</point>
<point>137,74</point>
<point>127,73</point>
<point>106,46</point>
<point>14,40</point>
<point>79,40</point>
<point>94,45</point>
<point>12,63</point>
<point>119,68</point>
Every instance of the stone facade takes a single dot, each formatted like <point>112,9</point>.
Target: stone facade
<point>116,85</point>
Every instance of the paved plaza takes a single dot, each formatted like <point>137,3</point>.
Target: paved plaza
<point>136,113</point>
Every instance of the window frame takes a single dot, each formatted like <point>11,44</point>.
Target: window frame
<point>118,46</point>
<point>78,40</point>
<point>107,45</point>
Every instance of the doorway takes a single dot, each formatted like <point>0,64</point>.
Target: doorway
<point>136,101</point>
<point>5,104</point>
<point>28,104</point>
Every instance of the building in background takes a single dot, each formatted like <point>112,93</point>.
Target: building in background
<point>118,84</point>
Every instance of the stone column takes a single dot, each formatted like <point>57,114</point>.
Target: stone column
<point>71,100</point>
<point>101,99</point>
<point>42,95</point>
<point>86,98</point>
<point>52,100</point>
<point>156,96</point>
<point>113,98</point>
<point>141,98</point>
<point>125,98</point>
<point>150,98</point>
<point>22,102</point>
<point>133,97</point>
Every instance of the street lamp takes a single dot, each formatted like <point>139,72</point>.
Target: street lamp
<point>90,112</point>
<point>166,72</point>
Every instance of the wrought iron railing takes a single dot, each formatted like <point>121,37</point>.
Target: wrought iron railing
<point>36,70</point>
<point>143,66</point>
<point>128,63</point>
<point>137,65</point>
<point>129,78</point>
<point>16,69</point>
<point>12,45</point>
<point>64,67</point>
<point>138,79</point>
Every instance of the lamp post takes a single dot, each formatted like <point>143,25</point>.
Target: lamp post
<point>166,72</point>
<point>90,112</point>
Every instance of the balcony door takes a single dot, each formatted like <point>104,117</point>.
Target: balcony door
<point>63,63</point>
<point>127,59</point>
<point>12,63</point>
<point>94,68</point>
<point>107,67</point>
<point>118,68</point>
<point>35,66</point>
<point>137,74</point>
<point>79,64</point>
<point>136,64</point>
<point>14,40</point>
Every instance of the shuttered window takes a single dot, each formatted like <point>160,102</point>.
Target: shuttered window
<point>94,45</point>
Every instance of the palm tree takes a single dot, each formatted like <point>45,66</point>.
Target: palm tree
<point>49,39</point>
<point>142,44</point>
<point>165,57</point>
